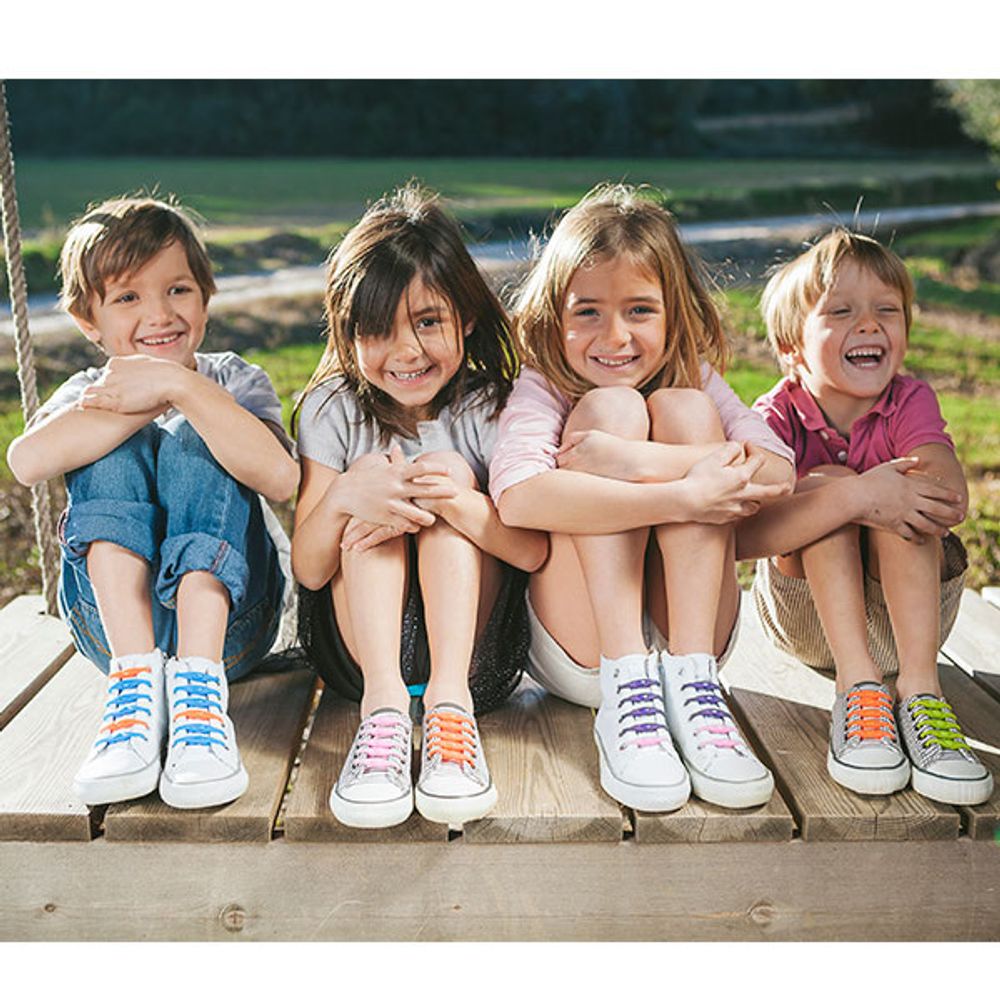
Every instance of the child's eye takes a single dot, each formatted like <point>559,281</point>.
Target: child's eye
<point>180,289</point>
<point>427,322</point>
<point>888,309</point>
<point>126,297</point>
<point>586,311</point>
<point>643,311</point>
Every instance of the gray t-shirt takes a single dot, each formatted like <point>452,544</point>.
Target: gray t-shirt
<point>334,432</point>
<point>247,383</point>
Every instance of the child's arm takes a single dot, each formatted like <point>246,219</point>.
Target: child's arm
<point>939,463</point>
<point>70,438</point>
<point>472,513</point>
<point>886,497</point>
<point>717,490</point>
<point>240,442</point>
<point>379,492</point>
<point>604,454</point>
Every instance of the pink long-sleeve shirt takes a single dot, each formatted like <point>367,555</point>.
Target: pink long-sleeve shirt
<point>532,422</point>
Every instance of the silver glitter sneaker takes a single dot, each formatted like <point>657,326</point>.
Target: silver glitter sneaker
<point>865,755</point>
<point>375,788</point>
<point>454,784</point>
<point>944,768</point>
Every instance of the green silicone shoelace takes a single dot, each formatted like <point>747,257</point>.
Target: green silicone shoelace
<point>936,724</point>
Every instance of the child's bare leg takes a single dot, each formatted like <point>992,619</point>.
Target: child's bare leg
<point>453,575</point>
<point>698,559</point>
<point>612,565</point>
<point>911,583</point>
<point>368,595</point>
<point>202,615</point>
<point>833,567</point>
<point>120,581</point>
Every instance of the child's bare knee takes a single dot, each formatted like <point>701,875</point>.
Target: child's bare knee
<point>458,468</point>
<point>684,416</point>
<point>616,410</point>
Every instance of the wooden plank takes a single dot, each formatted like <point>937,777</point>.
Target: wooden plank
<point>308,815</point>
<point>543,760</point>
<point>795,739</point>
<point>992,596</point>
<point>980,719</point>
<point>704,823</point>
<point>33,646</point>
<point>456,891</point>
<point>40,751</point>
<point>990,683</point>
<point>974,643</point>
<point>268,711</point>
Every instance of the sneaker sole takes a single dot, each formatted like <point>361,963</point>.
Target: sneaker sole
<point>868,780</point>
<point>657,798</point>
<point>203,794</point>
<point>952,791</point>
<point>732,794</point>
<point>122,788</point>
<point>462,809</point>
<point>371,815</point>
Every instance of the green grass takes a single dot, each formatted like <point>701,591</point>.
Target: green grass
<point>240,192</point>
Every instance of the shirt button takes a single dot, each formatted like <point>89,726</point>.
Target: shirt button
<point>842,455</point>
<point>824,435</point>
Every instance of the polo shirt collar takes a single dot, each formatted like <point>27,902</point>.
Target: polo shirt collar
<point>812,416</point>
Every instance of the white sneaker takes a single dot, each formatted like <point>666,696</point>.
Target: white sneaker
<point>124,762</point>
<point>375,788</point>
<point>723,768</point>
<point>454,784</point>
<point>639,765</point>
<point>203,765</point>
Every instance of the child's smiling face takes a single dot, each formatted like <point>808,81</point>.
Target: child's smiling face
<point>614,323</point>
<point>159,310</point>
<point>853,343</point>
<point>421,354</point>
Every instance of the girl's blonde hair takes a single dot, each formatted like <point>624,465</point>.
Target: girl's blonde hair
<point>795,288</point>
<point>614,220</point>
<point>402,236</point>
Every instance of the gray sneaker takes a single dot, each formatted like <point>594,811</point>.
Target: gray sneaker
<point>454,785</point>
<point>944,768</point>
<point>865,755</point>
<point>375,788</point>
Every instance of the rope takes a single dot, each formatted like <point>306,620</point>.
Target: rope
<point>40,501</point>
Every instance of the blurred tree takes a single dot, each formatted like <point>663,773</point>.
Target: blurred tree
<point>978,105</point>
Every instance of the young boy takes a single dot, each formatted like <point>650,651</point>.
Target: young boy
<point>865,575</point>
<point>170,582</point>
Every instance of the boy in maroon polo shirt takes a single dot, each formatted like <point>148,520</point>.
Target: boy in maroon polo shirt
<point>864,574</point>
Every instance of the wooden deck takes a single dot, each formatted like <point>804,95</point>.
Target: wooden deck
<point>556,860</point>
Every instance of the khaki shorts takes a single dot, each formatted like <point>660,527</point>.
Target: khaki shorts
<point>552,667</point>
<point>788,616</point>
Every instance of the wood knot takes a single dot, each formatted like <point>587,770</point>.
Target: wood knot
<point>49,907</point>
<point>233,918</point>
<point>761,913</point>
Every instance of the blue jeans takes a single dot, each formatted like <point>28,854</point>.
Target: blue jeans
<point>162,495</point>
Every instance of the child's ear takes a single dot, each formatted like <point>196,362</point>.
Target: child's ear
<point>87,329</point>
<point>791,358</point>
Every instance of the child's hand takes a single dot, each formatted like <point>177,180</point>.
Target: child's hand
<point>381,490</point>
<point>721,487</point>
<point>900,499</point>
<point>596,452</point>
<point>132,383</point>
<point>360,535</point>
<point>447,488</point>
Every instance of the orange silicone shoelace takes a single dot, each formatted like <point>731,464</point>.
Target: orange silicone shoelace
<point>451,737</point>
<point>869,715</point>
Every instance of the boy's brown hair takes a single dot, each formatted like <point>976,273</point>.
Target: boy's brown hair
<point>609,221</point>
<point>117,238</point>
<point>795,288</point>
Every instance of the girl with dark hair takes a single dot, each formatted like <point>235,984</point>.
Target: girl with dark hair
<point>410,580</point>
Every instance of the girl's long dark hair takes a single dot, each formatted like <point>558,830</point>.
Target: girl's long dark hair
<point>402,236</point>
